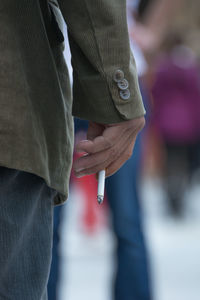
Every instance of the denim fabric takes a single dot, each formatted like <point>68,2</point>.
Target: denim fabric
<point>54,276</point>
<point>132,276</point>
<point>132,280</point>
<point>26,217</point>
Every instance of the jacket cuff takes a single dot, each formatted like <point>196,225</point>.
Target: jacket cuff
<point>112,98</point>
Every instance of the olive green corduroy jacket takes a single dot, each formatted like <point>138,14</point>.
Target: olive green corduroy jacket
<point>36,126</point>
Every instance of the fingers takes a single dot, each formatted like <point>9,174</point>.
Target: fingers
<point>103,142</point>
<point>93,163</point>
<point>97,145</point>
<point>88,146</point>
<point>102,137</point>
<point>109,150</point>
<point>118,163</point>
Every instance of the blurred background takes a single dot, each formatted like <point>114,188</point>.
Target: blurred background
<point>144,242</point>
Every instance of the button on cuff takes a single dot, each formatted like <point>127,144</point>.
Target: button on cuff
<point>125,94</point>
<point>123,84</point>
<point>118,76</point>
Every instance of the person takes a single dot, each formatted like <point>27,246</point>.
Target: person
<point>167,32</point>
<point>175,118</point>
<point>36,121</point>
<point>132,277</point>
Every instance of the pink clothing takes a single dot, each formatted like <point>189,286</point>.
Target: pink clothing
<point>176,94</point>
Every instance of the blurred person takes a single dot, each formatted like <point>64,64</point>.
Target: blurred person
<point>175,116</point>
<point>157,19</point>
<point>152,22</point>
<point>173,26</point>
<point>131,279</point>
<point>36,121</point>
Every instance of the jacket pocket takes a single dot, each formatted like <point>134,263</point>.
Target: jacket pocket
<point>57,21</point>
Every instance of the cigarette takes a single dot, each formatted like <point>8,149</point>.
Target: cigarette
<point>101,186</point>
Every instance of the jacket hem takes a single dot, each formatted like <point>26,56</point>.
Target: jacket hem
<point>59,198</point>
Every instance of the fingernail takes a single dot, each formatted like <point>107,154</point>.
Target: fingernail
<point>83,141</point>
<point>79,175</point>
<point>78,170</point>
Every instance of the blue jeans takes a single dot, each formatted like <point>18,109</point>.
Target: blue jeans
<point>132,278</point>
<point>55,264</point>
<point>26,217</point>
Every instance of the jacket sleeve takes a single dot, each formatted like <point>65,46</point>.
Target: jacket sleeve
<point>105,83</point>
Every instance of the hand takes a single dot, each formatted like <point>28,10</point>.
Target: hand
<point>108,147</point>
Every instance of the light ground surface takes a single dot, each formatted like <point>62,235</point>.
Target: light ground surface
<point>174,246</point>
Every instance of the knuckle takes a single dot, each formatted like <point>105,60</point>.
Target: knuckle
<point>113,152</point>
<point>91,150</point>
<point>89,171</point>
<point>107,142</point>
<point>95,170</point>
<point>92,162</point>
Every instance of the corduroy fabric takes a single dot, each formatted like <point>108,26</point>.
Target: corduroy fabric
<point>36,127</point>
<point>26,222</point>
